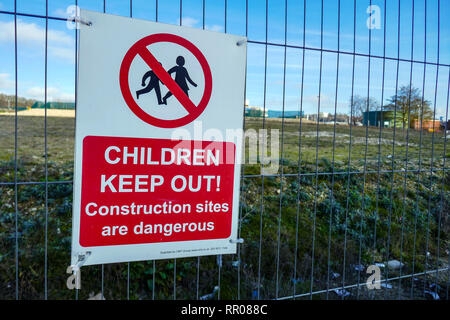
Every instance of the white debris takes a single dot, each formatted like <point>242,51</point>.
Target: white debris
<point>341,292</point>
<point>395,264</point>
<point>97,296</point>
<point>335,275</point>
<point>433,294</point>
<point>211,295</point>
<point>359,267</point>
<point>386,285</point>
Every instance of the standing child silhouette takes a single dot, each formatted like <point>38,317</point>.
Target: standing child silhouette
<point>181,75</point>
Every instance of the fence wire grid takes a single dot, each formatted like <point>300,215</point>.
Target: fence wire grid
<point>347,194</point>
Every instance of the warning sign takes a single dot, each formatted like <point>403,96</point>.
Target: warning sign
<point>177,191</point>
<point>157,173</point>
<point>177,87</point>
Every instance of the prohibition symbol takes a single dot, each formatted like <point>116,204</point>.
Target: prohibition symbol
<point>140,48</point>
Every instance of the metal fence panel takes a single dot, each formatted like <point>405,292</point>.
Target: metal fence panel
<point>346,195</point>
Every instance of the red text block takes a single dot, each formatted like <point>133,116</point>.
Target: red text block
<point>137,190</point>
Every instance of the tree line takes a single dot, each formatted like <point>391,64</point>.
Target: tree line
<point>406,106</point>
<point>9,101</point>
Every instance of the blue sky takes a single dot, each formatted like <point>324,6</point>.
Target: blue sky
<point>61,44</point>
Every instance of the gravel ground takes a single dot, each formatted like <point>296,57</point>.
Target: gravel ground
<point>41,113</point>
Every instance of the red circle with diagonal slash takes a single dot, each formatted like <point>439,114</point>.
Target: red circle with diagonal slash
<point>140,48</point>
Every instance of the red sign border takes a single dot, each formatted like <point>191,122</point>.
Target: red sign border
<point>124,85</point>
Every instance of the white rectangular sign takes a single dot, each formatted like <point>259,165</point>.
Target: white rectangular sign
<point>158,140</point>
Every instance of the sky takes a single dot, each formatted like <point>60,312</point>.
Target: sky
<point>276,84</point>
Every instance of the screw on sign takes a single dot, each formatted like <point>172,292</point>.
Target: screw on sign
<point>159,74</point>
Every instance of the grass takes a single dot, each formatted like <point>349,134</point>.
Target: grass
<point>365,217</point>
<point>60,141</point>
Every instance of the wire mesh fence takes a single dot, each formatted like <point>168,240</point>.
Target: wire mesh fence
<point>349,92</point>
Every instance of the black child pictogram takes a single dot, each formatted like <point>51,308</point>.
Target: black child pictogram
<point>181,75</point>
<point>153,84</point>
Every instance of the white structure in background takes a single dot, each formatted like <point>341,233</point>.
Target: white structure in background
<point>254,111</point>
<point>323,116</point>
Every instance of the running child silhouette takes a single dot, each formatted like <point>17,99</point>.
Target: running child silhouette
<point>181,75</point>
<point>152,85</point>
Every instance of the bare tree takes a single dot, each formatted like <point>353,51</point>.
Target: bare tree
<point>359,105</point>
<point>408,105</point>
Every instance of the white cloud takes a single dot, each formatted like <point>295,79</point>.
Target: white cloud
<point>53,94</point>
<point>67,54</point>
<point>189,22</point>
<point>6,82</point>
<point>60,44</point>
<point>214,27</point>
<point>60,13</point>
<point>31,33</point>
<point>192,22</point>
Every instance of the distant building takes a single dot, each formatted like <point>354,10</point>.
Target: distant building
<point>446,125</point>
<point>342,118</point>
<point>253,111</point>
<point>54,105</point>
<point>386,119</point>
<point>323,116</point>
<point>429,125</point>
<point>377,119</point>
<point>287,114</point>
